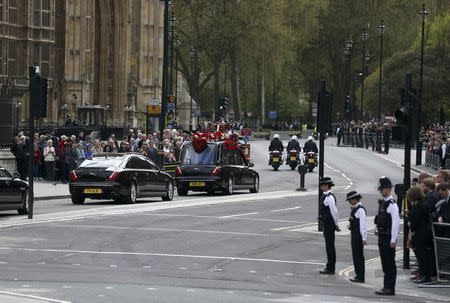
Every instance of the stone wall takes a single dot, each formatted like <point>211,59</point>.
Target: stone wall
<point>7,160</point>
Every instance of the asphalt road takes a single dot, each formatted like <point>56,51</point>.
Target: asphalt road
<point>244,248</point>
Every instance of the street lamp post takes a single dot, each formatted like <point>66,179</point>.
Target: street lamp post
<point>348,56</point>
<point>172,47</point>
<point>194,56</point>
<point>225,77</point>
<point>18,106</point>
<point>106,114</point>
<point>423,13</point>
<point>64,110</point>
<point>364,37</point>
<point>177,44</point>
<point>164,95</point>
<point>382,29</point>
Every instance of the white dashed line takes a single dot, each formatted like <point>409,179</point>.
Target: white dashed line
<point>152,288</point>
<point>289,274</point>
<point>217,269</point>
<point>76,264</point>
<point>108,287</point>
<point>1,263</point>
<point>67,286</point>
<point>252,272</point>
<point>26,286</point>
<point>239,215</point>
<point>191,290</point>
<point>286,209</point>
<point>100,295</point>
<point>182,268</point>
<point>146,267</point>
<point>113,266</point>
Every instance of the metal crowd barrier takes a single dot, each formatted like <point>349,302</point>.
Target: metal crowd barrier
<point>441,238</point>
<point>432,160</point>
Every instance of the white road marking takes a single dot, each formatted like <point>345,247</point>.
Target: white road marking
<point>217,269</point>
<point>191,290</point>
<point>252,272</point>
<point>146,267</point>
<point>238,215</point>
<point>162,229</point>
<point>215,217</point>
<point>286,209</point>
<point>182,268</point>
<point>328,166</point>
<point>113,266</point>
<point>76,264</point>
<point>9,293</point>
<point>291,227</point>
<point>121,253</point>
<point>348,187</point>
<point>289,274</point>
<point>67,286</point>
<point>100,295</point>
<point>1,263</point>
<point>108,287</point>
<point>26,286</point>
<point>118,210</point>
<point>152,289</point>
<point>312,228</point>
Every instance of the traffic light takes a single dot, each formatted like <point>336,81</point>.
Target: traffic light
<point>36,96</point>
<point>402,116</point>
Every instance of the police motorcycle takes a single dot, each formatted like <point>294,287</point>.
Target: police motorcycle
<point>293,150</point>
<point>311,160</point>
<point>276,157</point>
<point>293,159</point>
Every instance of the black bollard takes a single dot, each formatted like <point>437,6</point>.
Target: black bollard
<point>302,169</point>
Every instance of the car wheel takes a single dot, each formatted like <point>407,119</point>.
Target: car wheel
<point>255,188</point>
<point>76,199</point>
<point>182,192</point>
<point>169,192</point>
<point>229,189</point>
<point>132,194</point>
<point>25,203</point>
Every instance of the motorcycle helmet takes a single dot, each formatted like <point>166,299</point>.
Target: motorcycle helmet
<point>276,136</point>
<point>310,138</point>
<point>294,137</point>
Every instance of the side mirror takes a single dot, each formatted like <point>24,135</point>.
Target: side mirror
<point>250,164</point>
<point>16,176</point>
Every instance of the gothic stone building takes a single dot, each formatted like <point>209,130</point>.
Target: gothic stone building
<point>103,58</point>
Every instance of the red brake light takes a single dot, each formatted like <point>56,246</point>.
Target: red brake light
<point>73,176</point>
<point>114,176</point>
<point>216,171</point>
<point>178,172</point>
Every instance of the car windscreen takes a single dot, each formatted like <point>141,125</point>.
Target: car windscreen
<point>108,163</point>
<point>207,157</point>
<point>4,174</point>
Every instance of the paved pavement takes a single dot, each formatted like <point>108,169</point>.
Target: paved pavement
<point>242,248</point>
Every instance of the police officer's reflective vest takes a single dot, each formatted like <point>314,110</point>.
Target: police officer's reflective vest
<point>383,219</point>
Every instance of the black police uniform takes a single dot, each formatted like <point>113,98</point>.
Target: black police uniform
<point>329,229</point>
<point>357,243</point>
<point>385,220</point>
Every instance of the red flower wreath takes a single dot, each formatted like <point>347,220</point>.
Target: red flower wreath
<point>199,142</point>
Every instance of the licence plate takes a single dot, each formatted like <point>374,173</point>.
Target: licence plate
<point>276,159</point>
<point>293,158</point>
<point>197,184</point>
<point>92,191</point>
<point>311,161</point>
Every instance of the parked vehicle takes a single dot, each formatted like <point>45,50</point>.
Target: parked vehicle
<point>215,168</point>
<point>121,177</point>
<point>311,161</point>
<point>293,159</point>
<point>13,192</point>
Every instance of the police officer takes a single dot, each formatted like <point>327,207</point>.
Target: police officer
<point>329,217</point>
<point>387,221</point>
<point>358,230</point>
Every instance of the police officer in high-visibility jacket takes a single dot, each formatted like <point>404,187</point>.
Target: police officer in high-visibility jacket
<point>358,230</point>
<point>330,219</point>
<point>388,222</point>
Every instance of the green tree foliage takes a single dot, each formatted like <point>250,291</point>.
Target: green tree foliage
<point>285,47</point>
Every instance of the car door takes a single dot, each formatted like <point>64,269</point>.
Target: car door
<point>229,165</point>
<point>133,168</point>
<point>10,195</point>
<point>245,172</point>
<point>158,178</point>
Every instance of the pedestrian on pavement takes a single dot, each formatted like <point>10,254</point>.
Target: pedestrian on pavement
<point>50,161</point>
<point>386,138</point>
<point>421,234</point>
<point>329,217</point>
<point>387,222</point>
<point>37,155</point>
<point>358,230</point>
<point>431,196</point>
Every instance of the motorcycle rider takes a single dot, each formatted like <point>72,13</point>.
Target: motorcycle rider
<point>276,144</point>
<point>310,146</point>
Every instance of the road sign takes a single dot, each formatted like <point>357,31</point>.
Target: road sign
<point>152,101</point>
<point>153,109</point>
<point>273,115</point>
